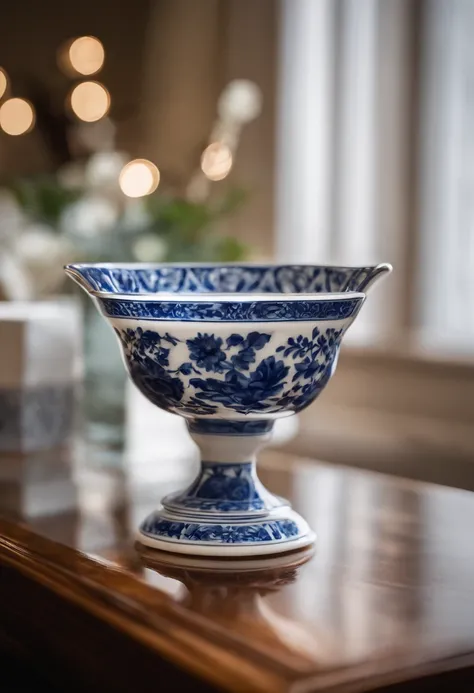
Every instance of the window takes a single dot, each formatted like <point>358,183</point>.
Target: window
<point>375,156</point>
<point>375,162</point>
<point>447,175</point>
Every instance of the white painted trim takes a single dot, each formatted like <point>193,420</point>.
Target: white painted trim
<point>356,136</point>
<point>304,131</point>
<point>446,288</point>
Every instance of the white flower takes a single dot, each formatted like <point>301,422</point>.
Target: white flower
<point>89,217</point>
<point>103,169</point>
<point>241,101</point>
<point>11,215</point>
<point>149,248</point>
<point>15,280</point>
<point>42,253</point>
<point>36,244</point>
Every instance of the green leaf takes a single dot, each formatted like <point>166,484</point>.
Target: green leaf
<point>231,202</point>
<point>43,199</point>
<point>229,249</point>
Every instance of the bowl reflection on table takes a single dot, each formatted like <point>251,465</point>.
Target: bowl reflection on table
<point>234,593</point>
<point>230,348</point>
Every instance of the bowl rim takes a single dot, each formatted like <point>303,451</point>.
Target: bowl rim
<point>246,263</point>
<point>211,297</point>
<point>74,268</point>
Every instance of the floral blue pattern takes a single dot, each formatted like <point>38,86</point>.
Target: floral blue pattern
<point>268,346</point>
<point>289,378</point>
<point>224,488</point>
<point>255,533</point>
<point>223,279</point>
<point>245,393</point>
<point>206,350</point>
<point>231,311</point>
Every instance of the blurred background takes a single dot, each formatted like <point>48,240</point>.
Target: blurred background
<point>317,131</point>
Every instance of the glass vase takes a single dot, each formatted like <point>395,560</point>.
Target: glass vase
<point>104,386</point>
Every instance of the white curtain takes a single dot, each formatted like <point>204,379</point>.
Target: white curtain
<point>327,134</point>
<point>375,160</point>
<point>446,286</point>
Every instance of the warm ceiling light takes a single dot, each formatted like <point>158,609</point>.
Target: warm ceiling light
<point>216,161</point>
<point>90,101</point>
<point>17,116</point>
<point>139,178</point>
<point>86,55</point>
<point>3,82</point>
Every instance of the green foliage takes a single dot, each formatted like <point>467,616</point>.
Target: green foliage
<point>187,228</point>
<point>42,198</point>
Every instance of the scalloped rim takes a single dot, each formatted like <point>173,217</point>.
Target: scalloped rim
<point>73,271</point>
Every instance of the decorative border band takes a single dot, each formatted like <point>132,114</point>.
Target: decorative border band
<point>185,532</point>
<point>225,278</point>
<point>229,427</point>
<point>230,311</point>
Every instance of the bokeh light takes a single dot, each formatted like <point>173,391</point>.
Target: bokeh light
<point>240,102</point>
<point>86,55</point>
<point>3,82</point>
<point>216,161</point>
<point>90,101</point>
<point>17,116</point>
<point>138,178</point>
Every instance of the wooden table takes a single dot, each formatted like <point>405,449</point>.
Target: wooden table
<point>385,603</point>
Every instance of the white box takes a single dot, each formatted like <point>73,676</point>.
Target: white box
<point>40,373</point>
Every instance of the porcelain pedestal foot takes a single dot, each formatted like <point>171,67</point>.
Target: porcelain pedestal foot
<point>226,511</point>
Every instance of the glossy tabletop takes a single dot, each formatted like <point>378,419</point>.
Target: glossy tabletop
<point>386,598</point>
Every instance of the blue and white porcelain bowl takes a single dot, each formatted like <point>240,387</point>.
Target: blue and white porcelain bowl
<point>230,348</point>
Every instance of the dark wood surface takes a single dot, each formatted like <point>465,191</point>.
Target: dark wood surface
<point>386,602</point>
